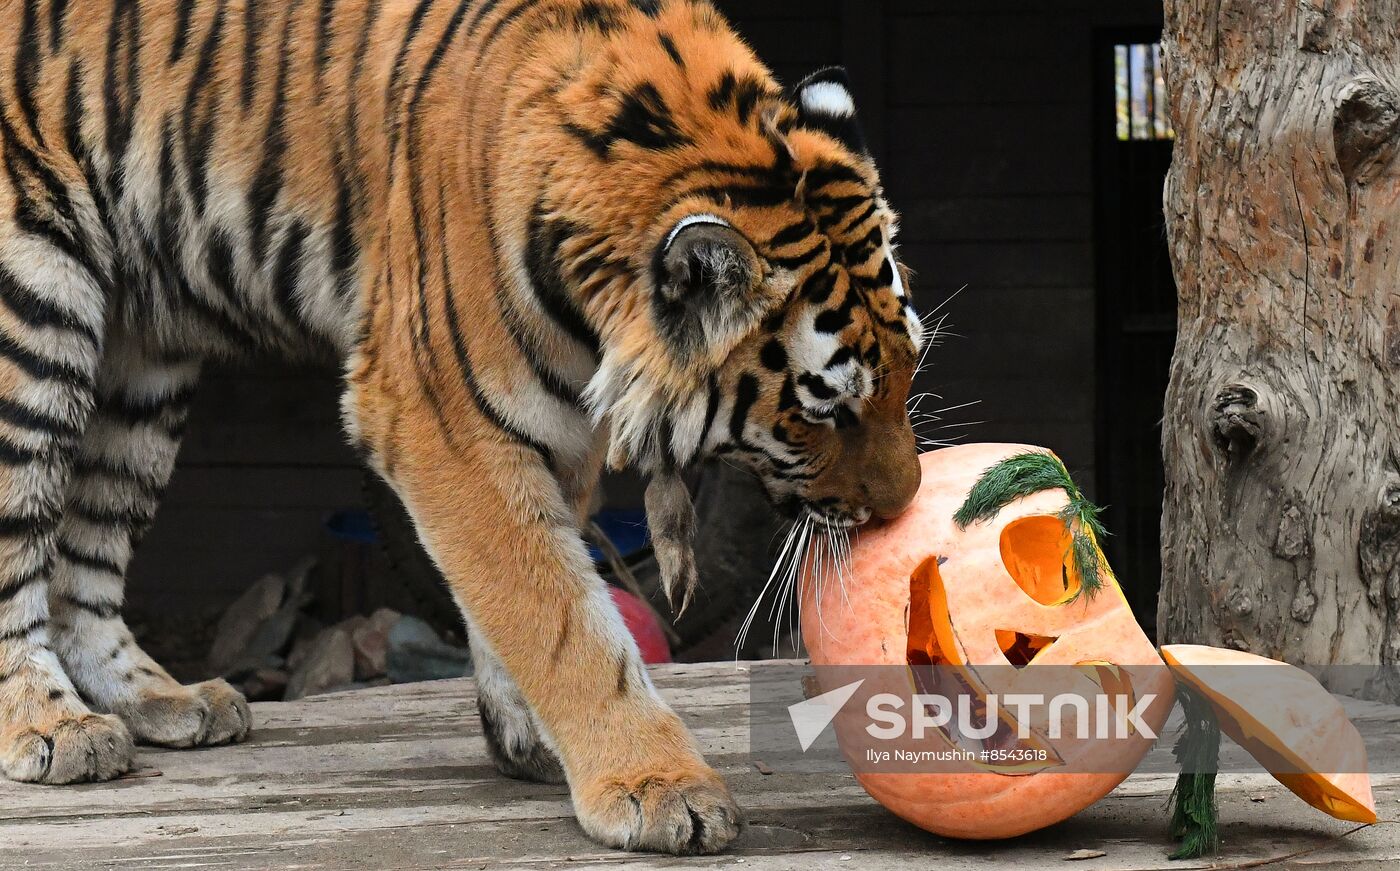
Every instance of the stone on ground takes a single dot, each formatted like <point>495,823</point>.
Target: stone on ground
<point>329,664</point>
<point>371,640</point>
<point>416,653</point>
<point>242,619</point>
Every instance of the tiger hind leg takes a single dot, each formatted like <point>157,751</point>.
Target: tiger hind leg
<point>121,467</point>
<point>514,737</point>
<point>52,311</point>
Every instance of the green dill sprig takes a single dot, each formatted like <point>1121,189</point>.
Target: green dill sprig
<point>1194,818</point>
<point>1031,472</point>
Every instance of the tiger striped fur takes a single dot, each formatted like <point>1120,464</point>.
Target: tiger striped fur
<point>539,235</point>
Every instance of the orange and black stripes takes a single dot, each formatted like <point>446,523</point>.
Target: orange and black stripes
<point>534,232</point>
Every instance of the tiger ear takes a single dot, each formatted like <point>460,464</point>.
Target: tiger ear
<point>706,273</point>
<point>826,102</point>
<point>706,257</point>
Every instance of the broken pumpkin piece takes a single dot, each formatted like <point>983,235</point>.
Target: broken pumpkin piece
<point>1287,721</point>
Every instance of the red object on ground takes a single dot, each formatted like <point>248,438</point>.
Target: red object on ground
<point>641,621</point>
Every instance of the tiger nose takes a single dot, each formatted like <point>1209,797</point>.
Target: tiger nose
<point>894,485</point>
<point>892,473</point>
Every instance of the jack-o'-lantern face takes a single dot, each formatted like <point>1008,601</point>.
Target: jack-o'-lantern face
<point>979,609</point>
<point>1005,594</point>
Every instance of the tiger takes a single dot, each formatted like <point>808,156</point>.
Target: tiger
<point>539,238</point>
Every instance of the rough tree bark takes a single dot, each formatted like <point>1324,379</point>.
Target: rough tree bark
<point>1281,529</point>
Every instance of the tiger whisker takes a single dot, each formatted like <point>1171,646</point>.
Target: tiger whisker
<point>914,401</point>
<point>789,587</point>
<point>924,422</point>
<point>782,574</point>
<point>956,407</point>
<point>758,600</point>
<point>842,562</point>
<point>944,303</point>
<point>939,443</point>
<point>838,549</point>
<point>780,608</point>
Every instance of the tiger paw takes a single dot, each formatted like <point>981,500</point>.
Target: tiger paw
<point>202,715</point>
<point>72,746</point>
<point>681,812</point>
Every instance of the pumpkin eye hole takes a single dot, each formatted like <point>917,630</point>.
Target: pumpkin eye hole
<point>936,668</point>
<point>1037,552</point>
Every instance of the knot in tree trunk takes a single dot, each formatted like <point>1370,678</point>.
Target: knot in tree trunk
<point>1365,129</point>
<point>1237,420</point>
<point>1379,547</point>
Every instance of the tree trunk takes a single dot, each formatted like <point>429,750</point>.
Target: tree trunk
<point>1281,528</point>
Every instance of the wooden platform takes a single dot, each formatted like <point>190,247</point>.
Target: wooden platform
<point>398,778</point>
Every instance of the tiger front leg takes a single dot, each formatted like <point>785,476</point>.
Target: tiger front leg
<point>494,519</point>
<point>49,352</point>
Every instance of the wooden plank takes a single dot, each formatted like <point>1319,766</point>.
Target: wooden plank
<point>1097,12</point>
<point>398,778</point>
<point>1013,399</point>
<point>267,417</point>
<point>743,12</point>
<point>1029,127</point>
<point>809,41</point>
<point>984,314</point>
<point>288,443</point>
<point>979,36</point>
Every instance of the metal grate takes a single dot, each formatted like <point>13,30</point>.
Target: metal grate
<point>1140,92</point>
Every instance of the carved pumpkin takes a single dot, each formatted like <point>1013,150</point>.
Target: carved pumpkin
<point>982,598</point>
<point>1287,721</point>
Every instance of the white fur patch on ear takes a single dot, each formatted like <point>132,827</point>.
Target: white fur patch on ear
<point>691,221</point>
<point>898,287</point>
<point>828,98</point>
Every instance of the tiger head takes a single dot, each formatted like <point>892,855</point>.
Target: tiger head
<point>774,328</point>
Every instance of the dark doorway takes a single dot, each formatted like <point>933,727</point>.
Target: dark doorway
<point>1136,308</point>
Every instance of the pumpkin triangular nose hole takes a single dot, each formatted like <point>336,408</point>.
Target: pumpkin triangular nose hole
<point>1020,648</point>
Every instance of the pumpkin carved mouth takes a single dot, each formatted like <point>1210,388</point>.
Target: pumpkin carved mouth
<point>937,669</point>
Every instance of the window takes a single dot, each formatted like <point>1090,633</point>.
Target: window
<point>1140,92</point>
